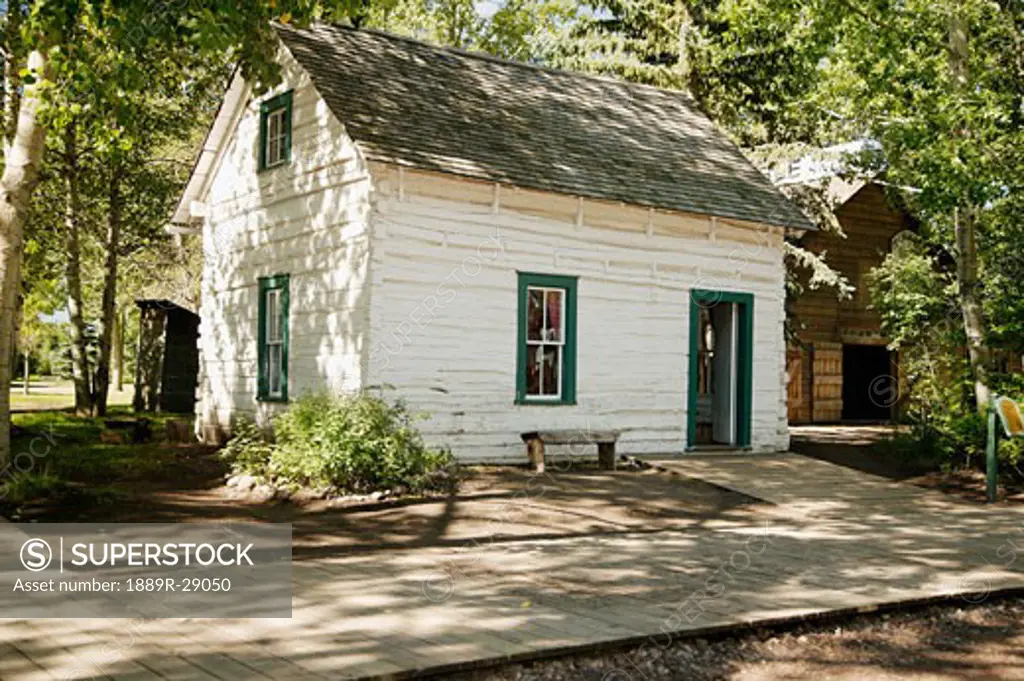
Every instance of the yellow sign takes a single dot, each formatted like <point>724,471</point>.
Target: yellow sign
<point>1010,415</point>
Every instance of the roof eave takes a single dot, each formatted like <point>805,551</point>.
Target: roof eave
<point>206,161</point>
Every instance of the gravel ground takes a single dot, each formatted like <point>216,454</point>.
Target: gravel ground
<point>950,641</point>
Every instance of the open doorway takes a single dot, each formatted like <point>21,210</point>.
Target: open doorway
<point>869,383</point>
<point>720,369</point>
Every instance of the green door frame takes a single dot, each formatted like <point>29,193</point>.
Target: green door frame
<point>745,366</point>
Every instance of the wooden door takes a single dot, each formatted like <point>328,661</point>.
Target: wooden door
<point>798,405</point>
<point>827,405</point>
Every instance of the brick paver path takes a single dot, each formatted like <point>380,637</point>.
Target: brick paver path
<point>835,539</point>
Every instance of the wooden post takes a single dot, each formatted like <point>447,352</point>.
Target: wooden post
<point>535,452</point>
<point>606,455</point>
<point>991,463</point>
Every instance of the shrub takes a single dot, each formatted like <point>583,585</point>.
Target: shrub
<point>918,303</point>
<point>354,443</point>
<point>947,443</point>
<point>248,450</point>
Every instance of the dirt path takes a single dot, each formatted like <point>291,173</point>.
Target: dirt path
<point>585,557</point>
<point>943,642</point>
<point>863,448</point>
<point>496,503</point>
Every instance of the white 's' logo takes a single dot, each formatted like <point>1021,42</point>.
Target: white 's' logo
<point>36,555</point>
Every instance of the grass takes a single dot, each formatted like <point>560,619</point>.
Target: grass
<point>39,401</point>
<point>56,452</point>
<point>70,446</point>
<point>50,392</point>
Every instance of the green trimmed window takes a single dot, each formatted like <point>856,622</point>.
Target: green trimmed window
<point>273,338</point>
<point>546,359</point>
<point>276,131</point>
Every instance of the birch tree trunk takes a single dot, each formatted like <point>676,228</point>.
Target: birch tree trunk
<point>109,308</point>
<point>117,349</point>
<point>963,227</point>
<point>73,273</point>
<point>974,322</point>
<point>24,383</point>
<point>19,320</point>
<point>23,158</point>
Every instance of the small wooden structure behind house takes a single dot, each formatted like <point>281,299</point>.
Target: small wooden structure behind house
<point>167,368</point>
<point>841,368</point>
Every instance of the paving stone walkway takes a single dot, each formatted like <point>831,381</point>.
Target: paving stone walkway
<point>834,539</point>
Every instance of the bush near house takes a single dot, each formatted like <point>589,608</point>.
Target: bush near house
<point>353,443</point>
<point>920,311</point>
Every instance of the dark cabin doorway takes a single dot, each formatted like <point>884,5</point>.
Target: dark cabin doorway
<point>869,386</point>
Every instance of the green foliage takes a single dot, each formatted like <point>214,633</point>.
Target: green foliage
<point>352,443</point>
<point>129,33</point>
<point>749,64</point>
<point>20,488</point>
<point>637,40</point>
<point>56,456</point>
<point>945,441</point>
<point>509,29</point>
<point>915,300</point>
<point>44,341</point>
<point>248,449</point>
<point>755,67</point>
<point>916,303</point>
<point>1002,254</point>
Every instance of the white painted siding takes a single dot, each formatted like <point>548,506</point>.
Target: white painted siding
<point>308,219</point>
<point>444,270</point>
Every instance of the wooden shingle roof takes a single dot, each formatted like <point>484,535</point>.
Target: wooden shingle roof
<point>432,108</point>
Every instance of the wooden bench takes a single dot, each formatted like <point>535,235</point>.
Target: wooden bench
<point>604,439</point>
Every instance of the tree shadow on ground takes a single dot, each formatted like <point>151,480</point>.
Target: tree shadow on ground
<point>495,504</point>
<point>358,613</point>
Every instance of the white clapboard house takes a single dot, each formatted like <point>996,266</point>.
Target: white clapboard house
<point>507,248</point>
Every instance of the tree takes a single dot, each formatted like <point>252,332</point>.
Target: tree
<point>35,335</point>
<point>511,30</point>
<point>143,157</point>
<point>39,40</point>
<point>750,66</point>
<point>70,173</point>
<point>941,86</point>
<point>644,41</point>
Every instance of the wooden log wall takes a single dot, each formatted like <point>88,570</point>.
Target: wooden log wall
<point>823,323</point>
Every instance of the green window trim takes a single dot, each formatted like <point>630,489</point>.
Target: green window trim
<point>278,282</point>
<point>745,368</point>
<point>282,101</point>
<point>568,392</point>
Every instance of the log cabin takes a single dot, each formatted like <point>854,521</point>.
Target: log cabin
<point>507,248</point>
<point>839,365</point>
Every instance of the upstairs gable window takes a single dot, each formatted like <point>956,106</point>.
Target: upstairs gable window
<point>276,131</point>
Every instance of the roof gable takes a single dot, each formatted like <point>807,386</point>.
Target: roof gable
<point>409,103</point>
